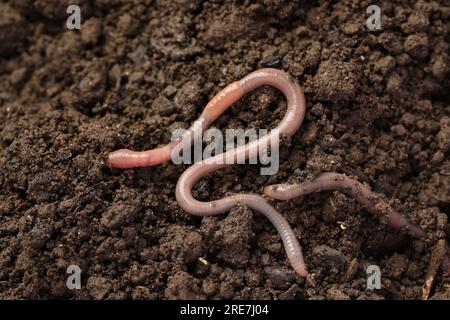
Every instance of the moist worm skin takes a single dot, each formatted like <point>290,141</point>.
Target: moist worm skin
<point>330,181</point>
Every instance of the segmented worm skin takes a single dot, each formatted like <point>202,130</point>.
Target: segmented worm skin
<point>330,181</point>
<point>290,123</point>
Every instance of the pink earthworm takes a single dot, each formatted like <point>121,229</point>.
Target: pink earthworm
<point>331,181</point>
<point>292,120</point>
<point>290,123</point>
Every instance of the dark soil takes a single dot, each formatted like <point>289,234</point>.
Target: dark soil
<point>378,108</point>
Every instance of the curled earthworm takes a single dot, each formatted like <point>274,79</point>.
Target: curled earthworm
<point>290,123</point>
<point>331,181</point>
<point>292,120</point>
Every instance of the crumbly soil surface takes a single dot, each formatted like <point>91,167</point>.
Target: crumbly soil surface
<point>378,109</point>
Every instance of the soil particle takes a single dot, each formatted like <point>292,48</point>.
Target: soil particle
<point>443,136</point>
<point>223,29</point>
<point>352,269</point>
<point>98,287</point>
<point>292,293</point>
<point>252,278</point>
<point>320,161</point>
<point>142,293</point>
<point>395,266</point>
<point>226,290</point>
<point>127,25</point>
<point>336,81</point>
<point>414,271</point>
<point>385,65</point>
<point>328,256</point>
<point>186,246</point>
<point>441,296</point>
<point>418,21</point>
<point>139,274</point>
<point>230,240</point>
<point>416,45</point>
<point>118,216</point>
<point>187,99</point>
<point>46,187</point>
<point>209,287</point>
<point>12,30</point>
<point>431,218</point>
<point>440,66</point>
<point>336,294</point>
<point>391,42</point>
<point>91,30</point>
<point>304,59</point>
<point>398,130</point>
<point>382,242</point>
<point>310,133</point>
<point>92,87</point>
<point>18,77</point>
<point>394,84</point>
<point>278,278</point>
<point>183,286</point>
<point>38,236</point>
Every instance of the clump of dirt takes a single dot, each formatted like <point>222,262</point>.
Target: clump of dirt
<point>12,30</point>
<point>377,108</point>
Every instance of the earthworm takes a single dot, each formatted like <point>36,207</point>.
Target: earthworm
<point>290,123</point>
<point>331,181</point>
<point>292,120</point>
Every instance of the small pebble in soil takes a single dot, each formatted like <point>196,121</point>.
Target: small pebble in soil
<point>273,62</point>
<point>279,278</point>
<point>352,269</point>
<point>291,293</point>
<point>329,256</point>
<point>416,45</point>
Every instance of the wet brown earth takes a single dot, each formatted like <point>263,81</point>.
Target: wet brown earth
<point>378,109</point>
